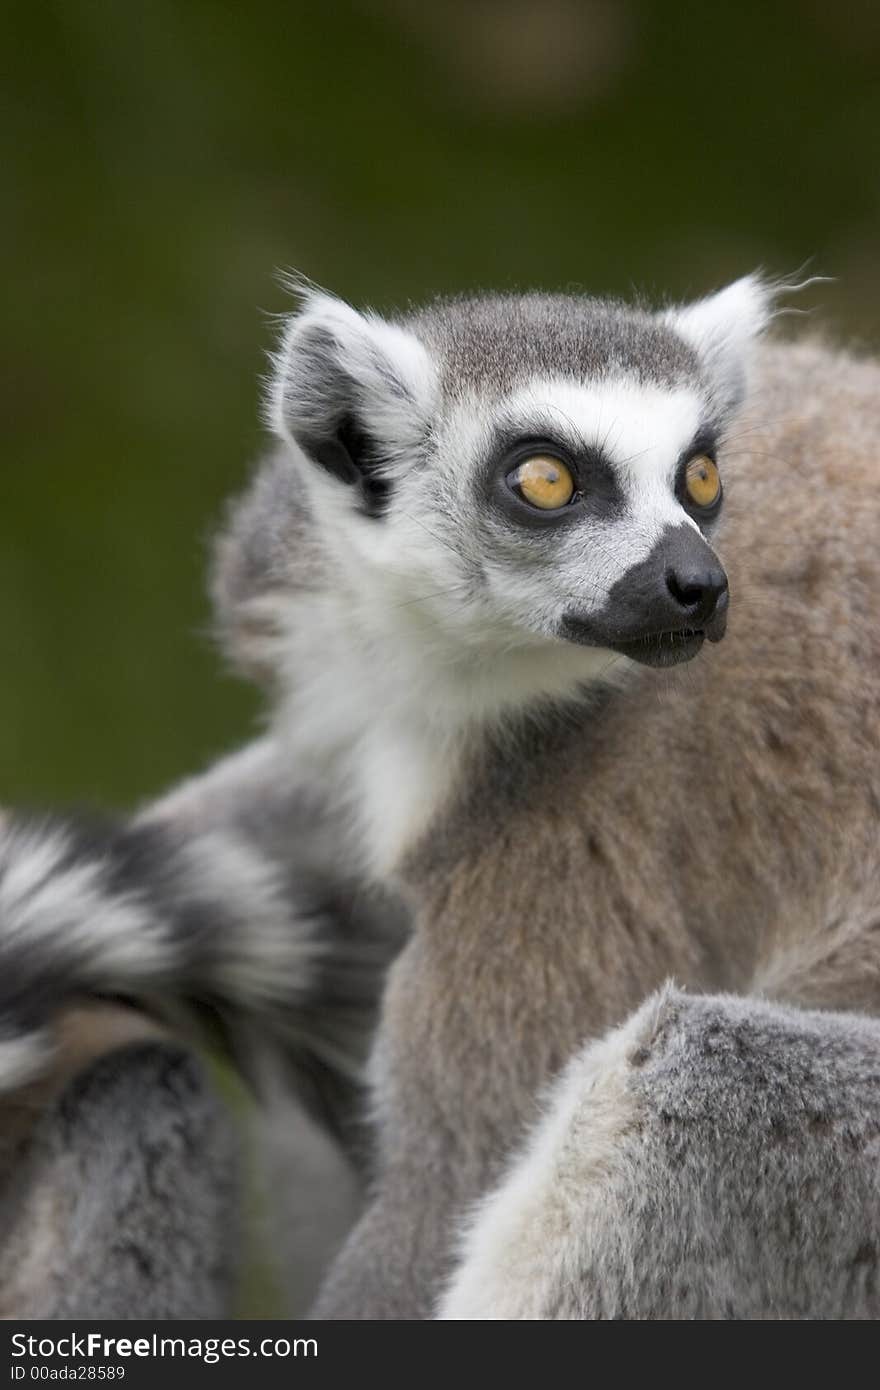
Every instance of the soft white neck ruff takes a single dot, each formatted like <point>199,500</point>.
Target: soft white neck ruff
<point>381,708</point>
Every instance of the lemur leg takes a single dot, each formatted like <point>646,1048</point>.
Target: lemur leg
<point>119,1195</point>
<point>715,1157</point>
<point>79,1036</point>
<point>309,1186</point>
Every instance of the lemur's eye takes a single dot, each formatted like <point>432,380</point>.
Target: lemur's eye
<point>543,481</point>
<point>702,481</point>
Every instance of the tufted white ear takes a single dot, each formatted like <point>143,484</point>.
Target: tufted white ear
<point>353,391</point>
<point>722,328</point>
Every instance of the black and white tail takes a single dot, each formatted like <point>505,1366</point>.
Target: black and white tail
<point>211,900</point>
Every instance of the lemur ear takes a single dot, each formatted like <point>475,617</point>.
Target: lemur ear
<point>354,392</point>
<point>722,328</point>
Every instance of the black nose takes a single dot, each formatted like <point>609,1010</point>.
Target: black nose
<point>698,591</point>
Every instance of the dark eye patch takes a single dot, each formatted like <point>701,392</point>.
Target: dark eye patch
<point>705,442</point>
<point>598,490</point>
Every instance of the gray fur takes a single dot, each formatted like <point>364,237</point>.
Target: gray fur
<point>310,1175</point>
<point>353,928</point>
<point>265,547</point>
<point>124,1203</point>
<point>722,1164</point>
<point>494,343</point>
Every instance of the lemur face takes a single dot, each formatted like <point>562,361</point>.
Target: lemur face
<point>594,500</point>
<point>524,471</point>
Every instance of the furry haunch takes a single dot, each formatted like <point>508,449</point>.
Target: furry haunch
<point>711,1158</point>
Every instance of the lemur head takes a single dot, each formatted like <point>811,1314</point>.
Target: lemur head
<point>522,471</point>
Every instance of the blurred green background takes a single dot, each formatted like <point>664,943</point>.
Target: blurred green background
<point>162,160</point>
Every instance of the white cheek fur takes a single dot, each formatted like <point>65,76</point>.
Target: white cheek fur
<point>642,430</point>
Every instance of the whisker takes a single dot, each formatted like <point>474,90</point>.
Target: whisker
<point>442,540</point>
<point>423,598</point>
<point>551,405</point>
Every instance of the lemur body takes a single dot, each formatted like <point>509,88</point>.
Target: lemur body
<point>454,667</point>
<point>568,845</point>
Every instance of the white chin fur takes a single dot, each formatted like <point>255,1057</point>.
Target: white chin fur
<point>382,724</point>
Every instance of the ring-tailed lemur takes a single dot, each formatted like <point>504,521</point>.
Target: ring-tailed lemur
<point>484,518</point>
<point>489,517</point>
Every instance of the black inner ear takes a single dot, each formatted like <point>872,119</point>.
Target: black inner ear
<point>331,431</point>
<point>352,455</point>
<point>366,458</point>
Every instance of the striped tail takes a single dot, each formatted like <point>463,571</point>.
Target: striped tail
<point>207,902</point>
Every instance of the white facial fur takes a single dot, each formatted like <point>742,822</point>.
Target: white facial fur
<point>643,431</point>
<point>722,328</point>
<point>442,615</point>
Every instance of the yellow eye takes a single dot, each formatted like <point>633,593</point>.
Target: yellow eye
<point>544,482</point>
<point>702,481</point>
